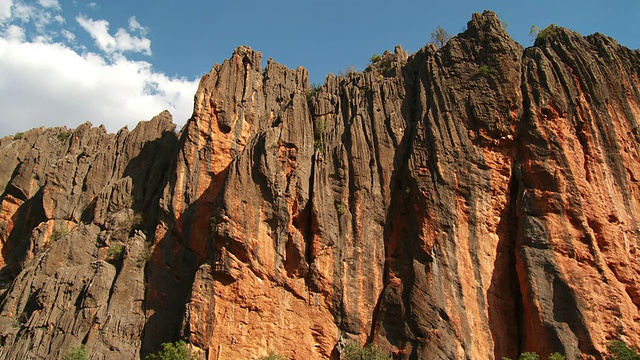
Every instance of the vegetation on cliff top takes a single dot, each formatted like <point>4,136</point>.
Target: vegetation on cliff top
<point>439,37</point>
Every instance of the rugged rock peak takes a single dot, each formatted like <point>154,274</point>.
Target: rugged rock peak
<point>74,200</point>
<point>487,26</point>
<point>472,201</point>
<point>582,95</point>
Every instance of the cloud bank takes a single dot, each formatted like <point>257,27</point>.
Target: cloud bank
<point>121,42</point>
<point>46,79</point>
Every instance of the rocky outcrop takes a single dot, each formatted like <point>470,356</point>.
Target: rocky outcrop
<point>76,210</point>
<point>466,202</point>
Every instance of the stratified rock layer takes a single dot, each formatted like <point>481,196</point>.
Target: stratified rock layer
<point>468,202</point>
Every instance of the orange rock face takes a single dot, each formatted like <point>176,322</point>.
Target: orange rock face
<point>470,202</point>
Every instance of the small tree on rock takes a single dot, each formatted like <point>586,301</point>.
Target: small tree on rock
<point>439,36</point>
<point>171,351</point>
<point>533,32</point>
<point>619,350</point>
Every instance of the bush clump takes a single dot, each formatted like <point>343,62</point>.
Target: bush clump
<point>272,356</point>
<point>63,136</point>
<point>534,356</point>
<point>319,127</point>
<point>133,221</point>
<point>369,352</point>
<point>529,356</point>
<point>77,353</point>
<point>619,350</point>
<point>58,234</point>
<point>18,135</point>
<point>171,351</point>
<point>144,256</point>
<point>115,253</point>
<point>484,71</point>
<point>214,221</point>
<point>313,90</point>
<point>375,58</point>
<point>546,33</point>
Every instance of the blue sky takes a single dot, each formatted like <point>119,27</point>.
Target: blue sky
<point>64,62</point>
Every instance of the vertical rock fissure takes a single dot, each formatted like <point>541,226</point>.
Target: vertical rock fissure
<point>513,220</point>
<point>376,145</point>
<point>309,231</point>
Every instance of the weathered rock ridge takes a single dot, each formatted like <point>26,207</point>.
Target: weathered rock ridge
<point>468,202</point>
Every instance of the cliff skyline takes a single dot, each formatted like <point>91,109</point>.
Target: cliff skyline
<point>58,57</point>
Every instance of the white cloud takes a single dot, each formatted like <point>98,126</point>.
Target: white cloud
<point>40,17</point>
<point>14,32</point>
<point>23,12</point>
<point>45,82</point>
<point>121,42</point>
<point>71,37</point>
<point>52,4</point>
<point>50,84</point>
<point>134,26</point>
<point>5,9</point>
<point>93,6</point>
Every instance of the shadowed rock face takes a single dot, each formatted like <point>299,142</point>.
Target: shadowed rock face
<point>468,202</point>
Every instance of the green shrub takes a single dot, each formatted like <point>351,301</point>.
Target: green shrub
<point>215,220</point>
<point>341,208</point>
<point>171,351</point>
<point>133,221</point>
<point>144,256</point>
<point>318,145</point>
<point>272,356</point>
<point>115,253</point>
<point>77,353</point>
<point>549,31</point>
<point>375,58</point>
<point>63,136</point>
<point>385,66</point>
<point>529,356</point>
<point>369,352</point>
<point>319,127</point>
<point>18,135</point>
<point>313,90</point>
<point>484,71</point>
<point>534,356</point>
<point>58,234</point>
<point>619,350</point>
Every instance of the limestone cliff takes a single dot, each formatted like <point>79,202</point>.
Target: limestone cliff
<point>469,202</point>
